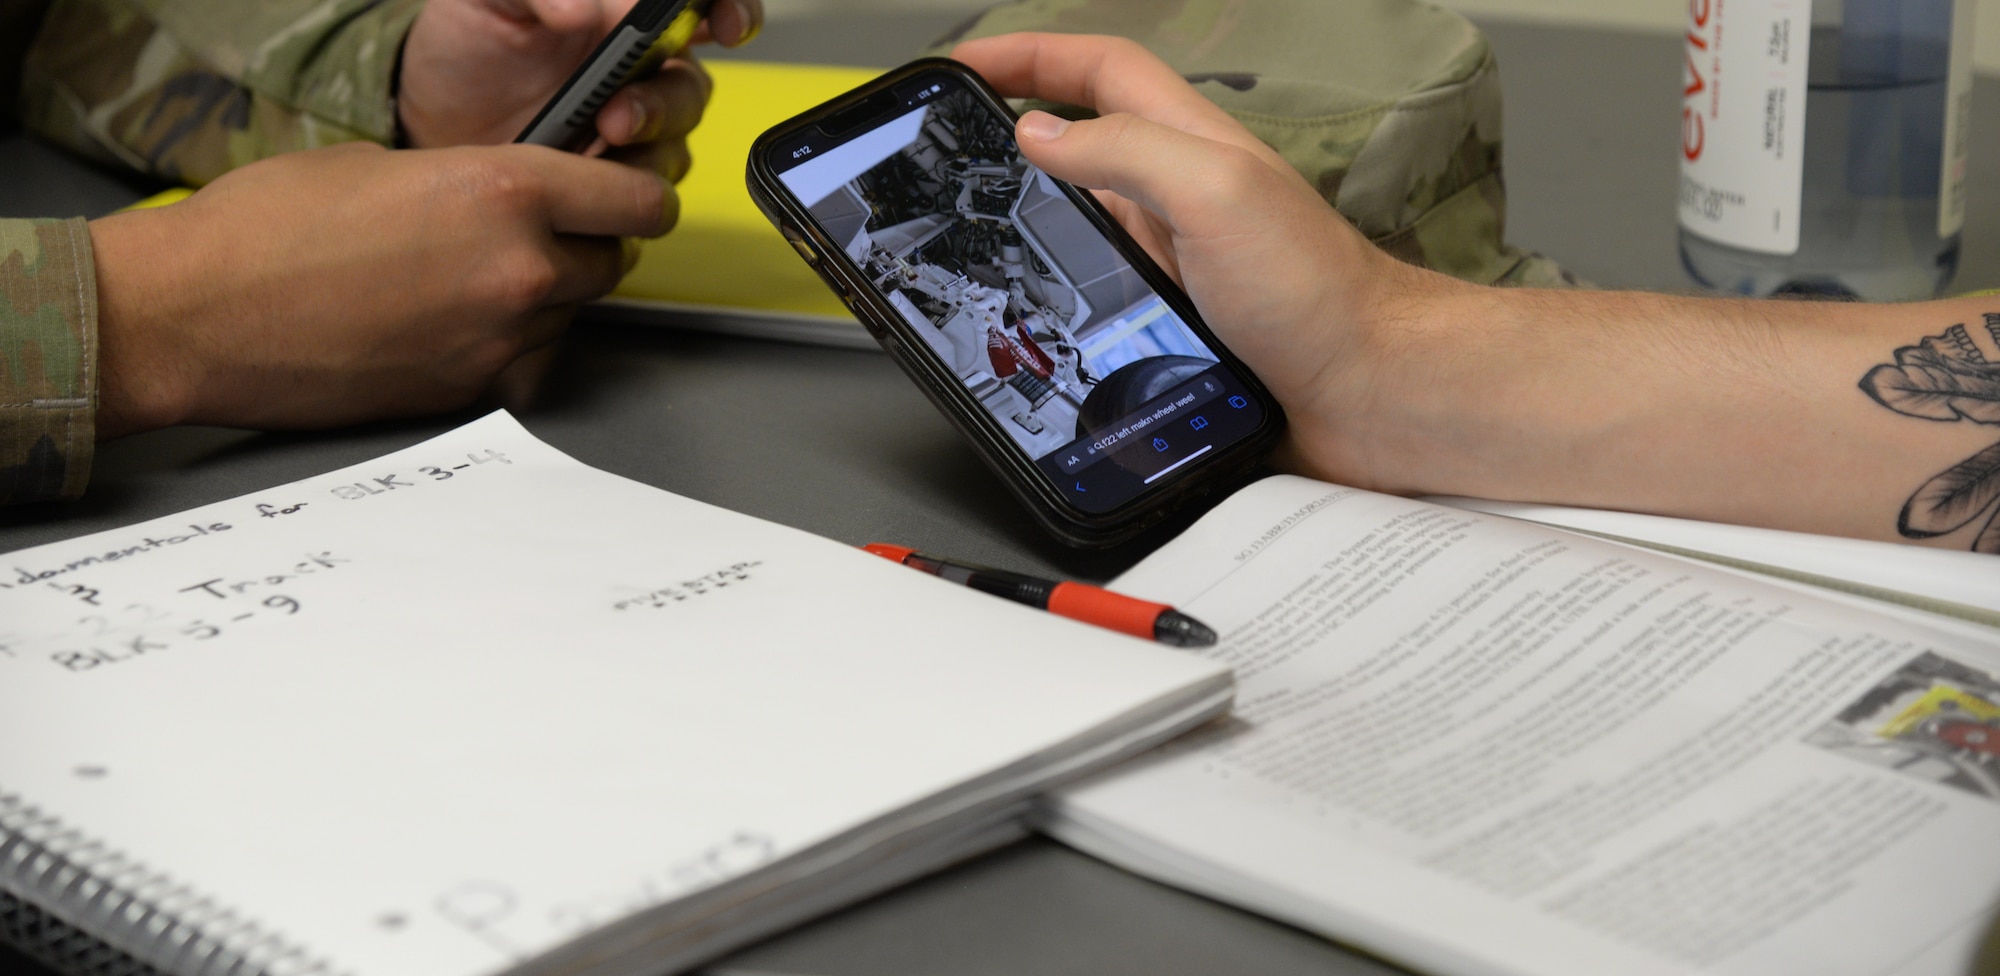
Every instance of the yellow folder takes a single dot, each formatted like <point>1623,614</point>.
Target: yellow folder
<point>725,255</point>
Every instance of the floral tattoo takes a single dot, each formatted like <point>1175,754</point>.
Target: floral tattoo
<point>1949,378</point>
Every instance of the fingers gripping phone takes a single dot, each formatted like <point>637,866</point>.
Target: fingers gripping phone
<point>1081,374</point>
<point>649,34</point>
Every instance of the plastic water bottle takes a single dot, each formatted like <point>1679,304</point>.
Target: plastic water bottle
<point>1823,145</point>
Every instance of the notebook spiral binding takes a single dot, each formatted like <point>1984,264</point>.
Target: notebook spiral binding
<point>77,905</point>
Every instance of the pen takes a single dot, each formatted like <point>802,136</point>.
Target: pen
<point>1077,601</point>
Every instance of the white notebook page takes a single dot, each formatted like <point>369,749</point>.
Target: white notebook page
<point>444,711</point>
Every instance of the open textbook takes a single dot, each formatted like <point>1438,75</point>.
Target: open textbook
<point>1954,582</point>
<point>1478,746</point>
<point>476,708</point>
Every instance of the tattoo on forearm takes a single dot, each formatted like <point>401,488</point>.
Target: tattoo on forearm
<point>1949,377</point>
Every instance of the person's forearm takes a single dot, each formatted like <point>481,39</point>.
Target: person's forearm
<point>352,283</point>
<point>1765,413</point>
<point>1876,421</point>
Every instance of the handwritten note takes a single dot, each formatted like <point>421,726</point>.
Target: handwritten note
<point>457,707</point>
<point>117,623</point>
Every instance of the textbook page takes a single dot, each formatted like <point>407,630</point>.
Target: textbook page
<point>1918,576</point>
<point>454,710</point>
<point>1480,746</point>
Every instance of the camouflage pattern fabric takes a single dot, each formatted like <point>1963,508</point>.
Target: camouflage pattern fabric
<point>48,340</point>
<point>1390,107</point>
<point>187,90</point>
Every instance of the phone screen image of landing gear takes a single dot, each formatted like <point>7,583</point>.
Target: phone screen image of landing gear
<point>1063,343</point>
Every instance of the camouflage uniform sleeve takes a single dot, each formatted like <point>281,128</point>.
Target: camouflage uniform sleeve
<point>48,359</point>
<point>188,89</point>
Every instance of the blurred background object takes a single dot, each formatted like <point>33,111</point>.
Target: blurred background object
<point>1823,147</point>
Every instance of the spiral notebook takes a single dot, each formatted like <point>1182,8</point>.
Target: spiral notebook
<point>476,708</point>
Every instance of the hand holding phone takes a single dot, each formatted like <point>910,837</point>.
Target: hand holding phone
<point>1075,366</point>
<point>474,72</point>
<point>649,33</point>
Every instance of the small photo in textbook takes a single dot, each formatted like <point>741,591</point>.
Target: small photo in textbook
<point>1935,719</point>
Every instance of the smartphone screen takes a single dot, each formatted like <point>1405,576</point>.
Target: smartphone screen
<point>1094,374</point>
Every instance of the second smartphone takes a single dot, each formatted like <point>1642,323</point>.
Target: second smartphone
<point>649,34</point>
<point>1076,367</point>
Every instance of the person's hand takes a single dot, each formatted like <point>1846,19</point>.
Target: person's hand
<point>1405,380</point>
<point>1286,283</point>
<point>351,283</point>
<point>475,72</point>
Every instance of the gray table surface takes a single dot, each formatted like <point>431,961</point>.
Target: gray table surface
<point>838,443</point>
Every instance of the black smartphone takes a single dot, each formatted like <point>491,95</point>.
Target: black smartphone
<point>649,34</point>
<point>1077,368</point>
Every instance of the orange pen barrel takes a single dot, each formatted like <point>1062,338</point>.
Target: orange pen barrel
<point>1127,615</point>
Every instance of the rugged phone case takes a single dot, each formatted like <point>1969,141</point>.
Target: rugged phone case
<point>650,31</point>
<point>935,378</point>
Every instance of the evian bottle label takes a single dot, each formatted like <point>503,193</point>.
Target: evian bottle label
<point>1743,122</point>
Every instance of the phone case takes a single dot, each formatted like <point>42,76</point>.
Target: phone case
<point>914,356</point>
<point>650,32</point>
